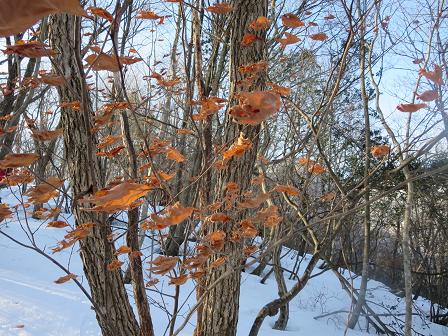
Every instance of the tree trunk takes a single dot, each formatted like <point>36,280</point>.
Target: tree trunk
<point>219,312</point>
<point>112,307</point>
<point>354,316</point>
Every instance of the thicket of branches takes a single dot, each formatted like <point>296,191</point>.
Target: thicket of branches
<point>222,132</point>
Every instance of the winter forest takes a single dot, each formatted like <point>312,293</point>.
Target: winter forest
<point>223,168</point>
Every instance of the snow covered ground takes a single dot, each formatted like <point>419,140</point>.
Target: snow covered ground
<point>32,304</point>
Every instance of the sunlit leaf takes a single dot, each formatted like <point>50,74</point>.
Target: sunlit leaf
<point>65,278</point>
<point>410,107</point>
<point>291,20</point>
<point>18,160</point>
<point>262,22</point>
<point>220,8</point>
<point>18,15</point>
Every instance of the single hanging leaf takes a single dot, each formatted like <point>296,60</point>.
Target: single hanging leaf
<point>163,264</point>
<point>175,155</point>
<point>65,278</point>
<point>238,148</point>
<point>288,39</point>
<point>33,49</point>
<point>260,23</point>
<point>434,76</point>
<point>255,107</point>
<point>410,107</point>
<point>291,20</point>
<point>18,15</point>
<point>18,160</point>
<point>319,37</point>
<point>248,39</point>
<point>220,8</point>
<point>427,96</point>
<point>120,197</point>
<point>380,150</point>
<point>101,12</point>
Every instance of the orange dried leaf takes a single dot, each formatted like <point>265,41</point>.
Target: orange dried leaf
<point>18,160</point>
<point>46,135</point>
<point>163,264</point>
<point>261,22</point>
<point>319,37</point>
<point>5,212</point>
<point>108,140</point>
<point>238,148</point>
<point>281,90</point>
<point>65,278</point>
<point>434,76</point>
<point>172,215</point>
<point>291,20</point>
<point>288,39</point>
<point>18,15</point>
<point>33,49</point>
<point>152,282</point>
<point>220,8</point>
<point>248,39</point>
<point>117,198</point>
<point>410,107</point>
<point>255,107</point>
<point>101,12</point>
<point>251,249</point>
<point>52,79</point>
<point>219,217</point>
<point>114,265</point>
<point>380,150</point>
<point>57,224</point>
<point>218,262</point>
<point>123,250</point>
<point>287,189</point>
<point>184,131</point>
<point>427,96</point>
<point>178,281</point>
<point>175,155</point>
<point>112,153</point>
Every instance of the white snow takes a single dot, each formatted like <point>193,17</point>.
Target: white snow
<point>31,304</point>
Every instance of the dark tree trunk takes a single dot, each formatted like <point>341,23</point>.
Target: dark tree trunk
<point>112,307</point>
<point>218,315</point>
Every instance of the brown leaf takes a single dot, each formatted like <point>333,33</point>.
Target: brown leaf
<point>57,224</point>
<point>123,250</point>
<point>18,160</point>
<point>255,107</point>
<point>248,39</point>
<point>5,212</point>
<point>65,278</point>
<point>262,22</point>
<point>175,155</point>
<point>178,281</point>
<point>117,198</point>
<point>33,49</point>
<point>163,264</point>
<point>319,37</point>
<point>18,15</point>
<point>101,12</point>
<point>429,95</point>
<point>291,20</point>
<point>410,107</point>
<point>380,150</point>
<point>114,265</point>
<point>238,148</point>
<point>220,8</point>
<point>46,135</point>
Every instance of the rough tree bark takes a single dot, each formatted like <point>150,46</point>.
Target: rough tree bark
<point>112,307</point>
<point>218,315</point>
